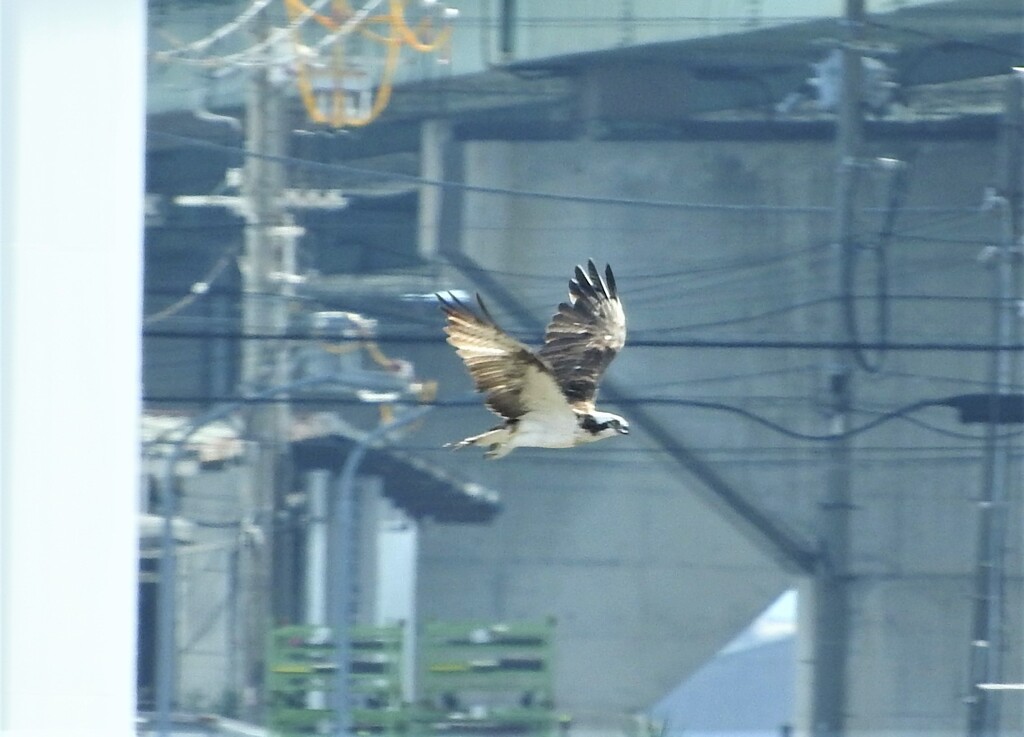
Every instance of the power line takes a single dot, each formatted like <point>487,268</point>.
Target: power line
<point>534,194</point>
<point>198,289</point>
<point>953,433</point>
<point>746,376</point>
<point>945,240</point>
<point>782,462</point>
<point>806,345</point>
<point>903,412</point>
<point>386,222</point>
<point>702,267</point>
<point>935,378</point>
<point>942,40</point>
<point>589,21</point>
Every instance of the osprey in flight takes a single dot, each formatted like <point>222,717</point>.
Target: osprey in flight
<point>546,396</point>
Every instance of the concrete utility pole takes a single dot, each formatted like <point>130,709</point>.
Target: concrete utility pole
<point>830,586</point>
<point>988,621</point>
<point>269,253</point>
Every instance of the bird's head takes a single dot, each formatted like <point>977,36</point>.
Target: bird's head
<point>605,424</point>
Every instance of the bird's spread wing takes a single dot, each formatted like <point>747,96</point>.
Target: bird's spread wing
<point>514,380</point>
<point>585,334</point>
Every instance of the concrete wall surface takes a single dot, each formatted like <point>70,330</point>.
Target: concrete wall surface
<point>618,540</point>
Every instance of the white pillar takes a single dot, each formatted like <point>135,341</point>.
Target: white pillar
<point>318,485</point>
<point>397,559</point>
<point>72,96</point>
<point>435,140</point>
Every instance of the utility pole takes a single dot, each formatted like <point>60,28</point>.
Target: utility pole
<point>988,620</point>
<point>830,586</point>
<point>268,269</point>
<point>268,254</point>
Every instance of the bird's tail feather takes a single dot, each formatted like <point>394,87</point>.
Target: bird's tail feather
<point>461,443</point>
<point>490,437</point>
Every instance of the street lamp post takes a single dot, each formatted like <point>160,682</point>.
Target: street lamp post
<point>166,599</point>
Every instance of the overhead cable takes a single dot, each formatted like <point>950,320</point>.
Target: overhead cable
<point>638,342</point>
<point>199,46</point>
<point>533,194</point>
<point>903,412</point>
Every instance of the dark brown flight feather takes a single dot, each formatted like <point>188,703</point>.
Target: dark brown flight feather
<point>585,334</point>
<point>497,362</point>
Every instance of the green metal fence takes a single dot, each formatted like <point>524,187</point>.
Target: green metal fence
<point>473,678</point>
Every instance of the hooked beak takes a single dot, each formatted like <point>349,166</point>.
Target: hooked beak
<point>623,431</point>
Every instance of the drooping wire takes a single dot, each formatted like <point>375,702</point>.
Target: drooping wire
<point>199,288</point>
<point>879,251</point>
<point>851,256</point>
<point>202,44</point>
<point>904,412</point>
<point>252,55</point>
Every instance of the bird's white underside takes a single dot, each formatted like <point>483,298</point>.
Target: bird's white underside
<point>549,421</point>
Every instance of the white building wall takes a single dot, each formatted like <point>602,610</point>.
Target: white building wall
<point>71,105</point>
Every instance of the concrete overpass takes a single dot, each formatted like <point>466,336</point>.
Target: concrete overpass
<point>717,214</point>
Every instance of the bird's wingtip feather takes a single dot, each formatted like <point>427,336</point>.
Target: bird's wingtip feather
<point>613,291</point>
